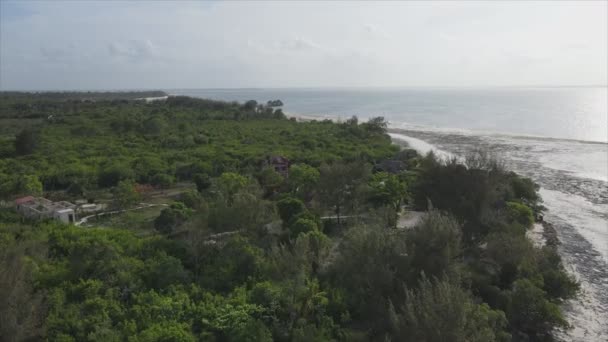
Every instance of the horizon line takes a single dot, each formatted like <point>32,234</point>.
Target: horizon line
<point>306,87</point>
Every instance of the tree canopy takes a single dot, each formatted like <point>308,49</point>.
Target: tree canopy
<point>203,241</point>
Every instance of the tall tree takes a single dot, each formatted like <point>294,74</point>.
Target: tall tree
<point>377,125</point>
<point>302,178</point>
<point>388,189</point>
<point>339,182</point>
<point>229,183</point>
<point>29,184</point>
<point>22,309</point>
<point>26,141</point>
<point>443,311</point>
<point>434,245</point>
<point>125,194</point>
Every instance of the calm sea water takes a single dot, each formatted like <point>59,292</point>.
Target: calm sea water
<point>556,136</point>
<point>570,113</point>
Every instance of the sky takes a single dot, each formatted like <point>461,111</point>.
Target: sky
<point>77,45</point>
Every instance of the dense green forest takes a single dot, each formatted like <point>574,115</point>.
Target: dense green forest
<point>232,250</point>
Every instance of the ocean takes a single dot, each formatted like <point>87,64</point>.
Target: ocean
<point>557,136</point>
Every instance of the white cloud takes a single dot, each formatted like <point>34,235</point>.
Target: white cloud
<point>298,44</point>
<point>373,32</point>
<point>133,50</point>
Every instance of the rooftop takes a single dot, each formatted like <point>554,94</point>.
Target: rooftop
<point>43,205</point>
<point>24,200</point>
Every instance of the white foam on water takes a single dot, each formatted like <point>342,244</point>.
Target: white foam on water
<point>581,214</point>
<point>591,164</point>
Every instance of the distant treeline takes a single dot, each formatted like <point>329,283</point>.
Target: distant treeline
<point>78,95</point>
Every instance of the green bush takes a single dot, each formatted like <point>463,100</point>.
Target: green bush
<point>172,217</point>
<point>290,207</point>
<point>302,226</point>
<point>520,213</point>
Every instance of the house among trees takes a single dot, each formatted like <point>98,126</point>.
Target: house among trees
<point>42,208</point>
<point>280,165</point>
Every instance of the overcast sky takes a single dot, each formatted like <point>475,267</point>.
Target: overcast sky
<point>128,45</point>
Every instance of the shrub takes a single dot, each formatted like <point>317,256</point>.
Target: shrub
<point>172,217</point>
<point>520,213</point>
<point>302,226</point>
<point>290,207</point>
<point>162,179</point>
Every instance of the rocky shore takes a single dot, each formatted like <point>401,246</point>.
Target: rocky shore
<point>550,235</point>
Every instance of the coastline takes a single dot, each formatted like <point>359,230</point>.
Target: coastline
<point>571,187</point>
<point>308,118</point>
<point>549,235</point>
<point>359,138</point>
<point>583,311</point>
<point>152,99</point>
<point>401,129</point>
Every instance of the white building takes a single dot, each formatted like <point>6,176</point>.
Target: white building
<point>41,208</point>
